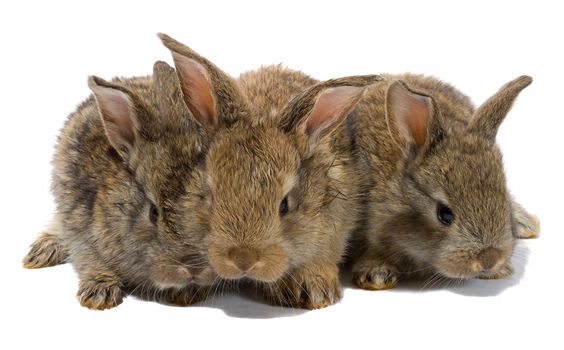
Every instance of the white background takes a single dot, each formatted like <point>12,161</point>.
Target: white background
<point>49,48</point>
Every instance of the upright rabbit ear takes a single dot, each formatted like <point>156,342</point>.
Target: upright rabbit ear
<point>169,95</point>
<point>490,114</point>
<point>319,110</point>
<point>210,94</point>
<point>117,112</point>
<point>411,116</point>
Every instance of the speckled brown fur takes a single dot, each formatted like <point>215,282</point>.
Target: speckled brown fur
<point>454,161</point>
<point>104,192</point>
<point>266,148</point>
<point>109,170</point>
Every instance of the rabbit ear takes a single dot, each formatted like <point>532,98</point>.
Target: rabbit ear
<point>490,114</point>
<point>169,96</point>
<point>117,113</point>
<point>197,91</point>
<point>210,94</point>
<point>330,109</point>
<point>410,115</point>
<point>319,110</point>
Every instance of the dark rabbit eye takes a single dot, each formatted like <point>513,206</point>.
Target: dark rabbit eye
<point>283,210</point>
<point>153,214</point>
<point>444,214</point>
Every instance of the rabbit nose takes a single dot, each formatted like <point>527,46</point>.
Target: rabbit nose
<point>487,259</point>
<point>243,258</point>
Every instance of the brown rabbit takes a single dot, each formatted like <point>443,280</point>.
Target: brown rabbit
<point>437,198</point>
<point>127,177</point>
<point>283,187</point>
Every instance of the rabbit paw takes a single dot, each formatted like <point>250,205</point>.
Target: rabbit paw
<point>184,297</point>
<point>104,291</point>
<point>308,288</point>
<point>527,225</point>
<point>46,251</point>
<point>374,277</point>
<point>505,271</point>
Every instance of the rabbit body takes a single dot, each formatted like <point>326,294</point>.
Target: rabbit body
<point>281,175</point>
<point>120,209</point>
<point>437,203</point>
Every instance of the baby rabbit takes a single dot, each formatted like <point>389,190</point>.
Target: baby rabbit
<point>437,198</point>
<point>131,216</point>
<point>283,186</point>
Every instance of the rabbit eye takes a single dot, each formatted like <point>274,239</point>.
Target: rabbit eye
<point>153,214</point>
<point>283,209</point>
<point>445,214</point>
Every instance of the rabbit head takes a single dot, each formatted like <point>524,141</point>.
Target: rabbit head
<point>272,185</point>
<point>153,135</point>
<point>460,219</point>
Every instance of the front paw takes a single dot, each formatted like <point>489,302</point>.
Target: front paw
<point>373,276</point>
<point>505,271</point>
<point>103,291</point>
<point>184,297</point>
<point>309,288</point>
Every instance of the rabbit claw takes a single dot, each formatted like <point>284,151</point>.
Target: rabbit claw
<point>184,297</point>
<point>375,277</point>
<point>308,288</point>
<point>102,292</point>
<point>46,251</point>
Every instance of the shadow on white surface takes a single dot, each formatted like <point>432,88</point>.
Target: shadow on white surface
<point>241,305</point>
<point>471,287</point>
<point>245,304</point>
<point>244,301</point>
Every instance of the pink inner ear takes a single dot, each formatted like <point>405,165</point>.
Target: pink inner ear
<point>116,114</point>
<point>331,107</point>
<point>411,112</point>
<point>197,90</point>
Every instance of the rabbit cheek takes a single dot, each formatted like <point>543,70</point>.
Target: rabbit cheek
<point>456,264</point>
<point>272,265</point>
<point>205,277</point>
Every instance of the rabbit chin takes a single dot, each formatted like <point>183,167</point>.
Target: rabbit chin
<point>484,262</point>
<point>468,270</point>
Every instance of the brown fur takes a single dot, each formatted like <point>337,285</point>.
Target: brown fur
<point>265,148</point>
<point>423,143</point>
<point>110,164</point>
<point>46,251</point>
